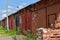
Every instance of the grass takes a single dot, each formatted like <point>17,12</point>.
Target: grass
<point>10,32</point>
<point>29,36</point>
<point>4,32</point>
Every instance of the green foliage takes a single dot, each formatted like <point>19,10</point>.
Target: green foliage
<point>1,28</point>
<point>18,32</point>
<point>4,32</point>
<point>30,36</point>
<point>10,32</point>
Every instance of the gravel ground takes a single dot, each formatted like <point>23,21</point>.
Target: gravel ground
<point>18,37</point>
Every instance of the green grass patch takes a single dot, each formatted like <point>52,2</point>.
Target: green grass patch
<point>4,32</point>
<point>10,32</point>
<point>30,36</point>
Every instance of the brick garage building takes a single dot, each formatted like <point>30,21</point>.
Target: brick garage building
<point>42,14</point>
<point>39,14</point>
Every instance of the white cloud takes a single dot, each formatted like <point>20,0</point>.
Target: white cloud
<point>0,10</point>
<point>14,11</point>
<point>20,6</point>
<point>10,7</point>
<point>4,15</point>
<point>4,11</point>
<point>23,4</point>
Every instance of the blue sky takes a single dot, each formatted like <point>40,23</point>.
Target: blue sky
<point>12,6</point>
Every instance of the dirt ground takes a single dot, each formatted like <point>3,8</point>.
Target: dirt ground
<point>18,37</point>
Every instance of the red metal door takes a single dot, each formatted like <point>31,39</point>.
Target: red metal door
<point>51,19</point>
<point>11,23</point>
<point>28,17</point>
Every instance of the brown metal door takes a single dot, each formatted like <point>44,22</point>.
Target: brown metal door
<point>51,20</point>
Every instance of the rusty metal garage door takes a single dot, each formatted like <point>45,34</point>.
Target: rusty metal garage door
<point>51,20</point>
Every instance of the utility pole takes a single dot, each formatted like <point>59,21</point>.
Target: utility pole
<point>7,14</point>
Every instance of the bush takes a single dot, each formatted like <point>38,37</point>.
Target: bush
<point>29,36</point>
